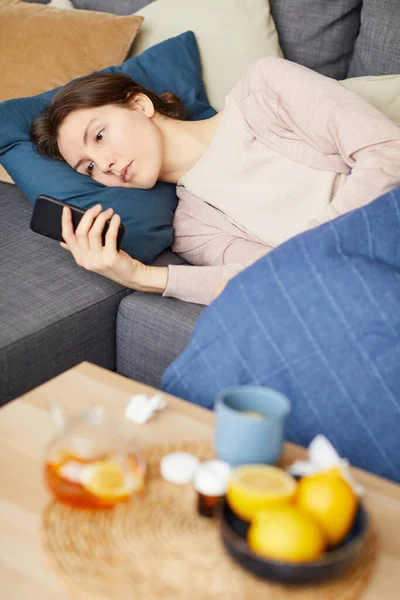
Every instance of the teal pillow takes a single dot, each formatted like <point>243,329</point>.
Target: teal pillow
<point>171,66</point>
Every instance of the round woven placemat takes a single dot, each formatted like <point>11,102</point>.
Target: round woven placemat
<point>157,547</point>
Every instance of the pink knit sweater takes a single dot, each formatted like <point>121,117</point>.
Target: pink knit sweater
<point>309,119</point>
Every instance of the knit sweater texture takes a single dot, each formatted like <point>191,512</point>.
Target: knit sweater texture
<point>293,150</point>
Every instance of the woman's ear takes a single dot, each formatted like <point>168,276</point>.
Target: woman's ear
<point>143,103</point>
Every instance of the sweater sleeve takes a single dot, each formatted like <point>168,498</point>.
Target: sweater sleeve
<point>215,246</point>
<point>288,105</point>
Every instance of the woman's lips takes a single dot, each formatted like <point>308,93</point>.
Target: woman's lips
<point>125,173</point>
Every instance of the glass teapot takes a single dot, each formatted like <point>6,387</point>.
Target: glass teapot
<point>93,462</point>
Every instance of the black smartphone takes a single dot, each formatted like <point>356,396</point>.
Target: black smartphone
<point>46,219</point>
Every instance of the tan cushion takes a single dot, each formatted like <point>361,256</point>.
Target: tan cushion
<point>382,91</point>
<point>231,34</point>
<point>4,176</point>
<point>43,47</point>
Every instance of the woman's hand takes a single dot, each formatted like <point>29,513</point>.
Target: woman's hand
<point>219,289</point>
<point>87,248</point>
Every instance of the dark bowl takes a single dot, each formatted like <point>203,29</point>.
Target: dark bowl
<point>331,564</point>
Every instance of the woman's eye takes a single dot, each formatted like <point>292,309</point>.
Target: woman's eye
<point>89,169</point>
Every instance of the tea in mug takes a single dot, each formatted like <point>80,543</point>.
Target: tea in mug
<point>253,414</point>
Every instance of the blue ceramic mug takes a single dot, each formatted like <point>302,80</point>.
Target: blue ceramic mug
<point>250,423</point>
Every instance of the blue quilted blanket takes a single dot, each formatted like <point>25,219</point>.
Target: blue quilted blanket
<point>318,319</point>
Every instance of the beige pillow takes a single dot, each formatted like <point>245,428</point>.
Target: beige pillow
<point>231,34</point>
<point>42,47</point>
<point>383,92</point>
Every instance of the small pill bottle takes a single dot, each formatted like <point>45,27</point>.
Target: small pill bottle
<point>210,483</point>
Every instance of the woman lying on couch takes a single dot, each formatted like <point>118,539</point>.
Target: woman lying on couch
<point>274,163</point>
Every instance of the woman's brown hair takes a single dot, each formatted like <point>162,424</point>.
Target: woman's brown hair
<point>91,91</point>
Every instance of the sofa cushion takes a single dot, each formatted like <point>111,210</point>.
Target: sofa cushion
<point>53,315</point>
<point>174,66</point>
<point>152,331</point>
<point>383,92</point>
<point>43,47</point>
<point>231,34</point>
<point>377,48</point>
<point>49,48</point>
<point>318,34</point>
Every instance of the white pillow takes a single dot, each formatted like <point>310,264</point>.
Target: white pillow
<point>231,34</point>
<point>382,91</point>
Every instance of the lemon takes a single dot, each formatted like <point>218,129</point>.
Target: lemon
<point>330,501</point>
<point>106,480</point>
<point>286,534</point>
<point>253,487</point>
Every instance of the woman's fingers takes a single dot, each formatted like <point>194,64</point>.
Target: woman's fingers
<point>219,289</point>
<point>95,233</point>
<point>84,227</point>
<point>86,244</point>
<point>67,228</point>
<point>68,234</point>
<point>112,234</point>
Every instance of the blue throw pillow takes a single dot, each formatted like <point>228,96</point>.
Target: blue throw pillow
<point>171,66</point>
<point>317,319</point>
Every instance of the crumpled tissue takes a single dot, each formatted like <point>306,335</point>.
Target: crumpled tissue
<point>142,407</point>
<point>321,457</point>
<point>62,4</point>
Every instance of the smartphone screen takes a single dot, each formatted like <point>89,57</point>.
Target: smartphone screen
<point>46,219</point>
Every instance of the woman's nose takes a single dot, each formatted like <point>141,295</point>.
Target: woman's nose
<point>106,165</point>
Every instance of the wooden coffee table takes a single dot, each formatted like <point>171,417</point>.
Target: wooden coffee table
<point>26,428</point>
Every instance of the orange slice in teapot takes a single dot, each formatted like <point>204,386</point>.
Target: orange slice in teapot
<point>108,481</point>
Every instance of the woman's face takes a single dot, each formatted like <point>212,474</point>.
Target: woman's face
<point>116,146</point>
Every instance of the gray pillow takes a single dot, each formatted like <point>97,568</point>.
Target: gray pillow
<point>118,7</point>
<point>377,49</point>
<point>319,34</point>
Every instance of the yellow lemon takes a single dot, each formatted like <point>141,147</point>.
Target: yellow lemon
<point>286,534</point>
<point>330,501</point>
<point>253,487</point>
<point>106,480</point>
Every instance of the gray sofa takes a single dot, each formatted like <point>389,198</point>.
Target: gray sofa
<point>54,315</point>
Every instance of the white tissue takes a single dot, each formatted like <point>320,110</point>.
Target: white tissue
<point>63,4</point>
<point>141,407</point>
<point>323,456</point>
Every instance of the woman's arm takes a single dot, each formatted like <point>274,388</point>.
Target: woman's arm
<point>376,171</point>
<point>322,124</point>
<point>206,238</point>
<point>85,244</point>
<point>208,244</point>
